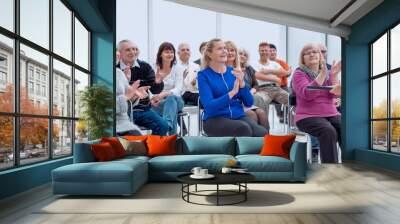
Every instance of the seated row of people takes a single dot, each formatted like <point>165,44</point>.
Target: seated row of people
<point>235,95</point>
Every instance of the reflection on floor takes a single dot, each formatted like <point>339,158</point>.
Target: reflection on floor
<point>378,190</point>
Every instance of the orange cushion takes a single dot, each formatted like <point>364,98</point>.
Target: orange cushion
<point>277,145</point>
<point>103,152</point>
<point>161,145</point>
<point>116,145</point>
<point>135,137</point>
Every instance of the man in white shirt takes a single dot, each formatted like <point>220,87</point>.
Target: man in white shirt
<point>189,72</point>
<point>268,76</point>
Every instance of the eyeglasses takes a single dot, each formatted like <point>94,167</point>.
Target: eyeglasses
<point>323,51</point>
<point>310,52</point>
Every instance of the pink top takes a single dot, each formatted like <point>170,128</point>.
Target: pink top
<point>312,103</point>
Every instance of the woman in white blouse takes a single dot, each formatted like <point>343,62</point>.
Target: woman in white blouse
<point>169,102</point>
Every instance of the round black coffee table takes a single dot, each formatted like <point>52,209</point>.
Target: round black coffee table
<point>238,179</point>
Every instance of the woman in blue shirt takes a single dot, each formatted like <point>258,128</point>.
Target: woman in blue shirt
<point>223,93</point>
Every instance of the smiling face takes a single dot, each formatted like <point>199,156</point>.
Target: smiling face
<point>264,52</point>
<point>167,55</point>
<point>218,53</point>
<point>128,52</point>
<point>311,56</point>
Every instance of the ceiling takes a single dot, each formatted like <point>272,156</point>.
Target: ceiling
<point>328,16</point>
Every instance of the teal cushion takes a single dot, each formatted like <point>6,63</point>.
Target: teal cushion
<point>83,152</point>
<point>249,145</point>
<point>206,145</point>
<point>112,171</point>
<point>185,163</point>
<point>257,163</point>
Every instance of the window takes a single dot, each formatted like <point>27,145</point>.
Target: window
<point>62,74</point>
<point>7,14</point>
<point>205,28</point>
<point>81,81</point>
<point>139,34</point>
<point>297,38</point>
<point>81,45</point>
<point>3,72</point>
<point>62,137</point>
<point>43,77</point>
<point>30,87</point>
<point>6,73</point>
<point>385,96</point>
<point>46,129</point>
<point>395,47</point>
<point>248,33</point>
<point>37,75</point>
<point>37,89</point>
<point>62,29</point>
<point>156,27</point>
<point>6,142</point>
<point>35,22</point>
<point>30,72</point>
<point>3,78</point>
<point>44,91</point>
<point>3,61</point>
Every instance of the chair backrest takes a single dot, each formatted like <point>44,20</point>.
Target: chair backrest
<point>200,120</point>
<point>292,94</point>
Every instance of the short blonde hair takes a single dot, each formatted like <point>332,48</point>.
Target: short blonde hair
<point>209,47</point>
<point>230,44</point>
<point>306,48</point>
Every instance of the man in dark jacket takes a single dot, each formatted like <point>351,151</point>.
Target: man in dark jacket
<point>134,69</point>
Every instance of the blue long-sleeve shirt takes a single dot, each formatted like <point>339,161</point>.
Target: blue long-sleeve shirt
<point>214,91</point>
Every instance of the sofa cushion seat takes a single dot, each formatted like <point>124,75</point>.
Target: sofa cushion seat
<point>257,163</point>
<point>185,163</point>
<point>128,159</point>
<point>113,171</point>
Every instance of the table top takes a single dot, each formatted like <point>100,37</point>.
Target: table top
<point>220,178</point>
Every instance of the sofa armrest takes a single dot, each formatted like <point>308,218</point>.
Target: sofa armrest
<point>298,155</point>
<point>83,152</point>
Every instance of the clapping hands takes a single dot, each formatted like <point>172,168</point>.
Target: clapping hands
<point>134,91</point>
<point>238,73</point>
<point>235,90</point>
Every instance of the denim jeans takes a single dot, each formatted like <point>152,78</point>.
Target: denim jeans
<point>150,119</point>
<point>168,109</point>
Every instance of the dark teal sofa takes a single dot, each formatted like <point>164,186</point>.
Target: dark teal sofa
<point>125,176</point>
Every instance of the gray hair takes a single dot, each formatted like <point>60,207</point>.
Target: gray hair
<point>244,50</point>
<point>183,44</point>
<point>119,45</point>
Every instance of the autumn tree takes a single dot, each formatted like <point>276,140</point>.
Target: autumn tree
<point>380,127</point>
<point>33,131</point>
